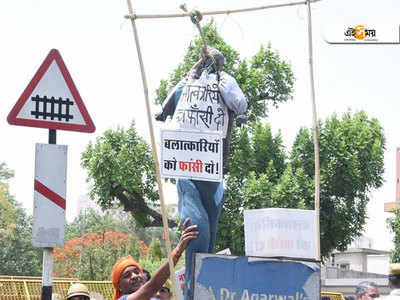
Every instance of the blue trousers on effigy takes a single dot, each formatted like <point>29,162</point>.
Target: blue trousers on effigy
<point>201,202</point>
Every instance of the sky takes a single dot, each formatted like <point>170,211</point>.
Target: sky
<point>97,45</point>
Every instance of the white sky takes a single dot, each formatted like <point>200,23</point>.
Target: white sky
<point>97,45</point>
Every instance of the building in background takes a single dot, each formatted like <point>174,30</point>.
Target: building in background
<point>359,262</point>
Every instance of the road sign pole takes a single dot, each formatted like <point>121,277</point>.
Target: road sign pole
<point>47,274</point>
<point>52,136</point>
<point>48,260</point>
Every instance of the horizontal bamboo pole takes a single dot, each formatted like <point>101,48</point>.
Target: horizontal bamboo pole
<point>216,12</point>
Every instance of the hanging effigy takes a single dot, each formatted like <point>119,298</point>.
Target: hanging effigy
<point>202,106</point>
<point>191,164</point>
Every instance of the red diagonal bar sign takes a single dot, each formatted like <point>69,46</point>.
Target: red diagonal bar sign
<point>49,194</point>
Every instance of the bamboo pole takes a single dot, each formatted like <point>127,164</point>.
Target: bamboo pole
<point>154,151</point>
<point>315,130</point>
<point>216,12</point>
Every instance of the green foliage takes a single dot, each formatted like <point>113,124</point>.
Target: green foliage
<point>92,256</point>
<point>107,236</point>
<point>7,222</point>
<point>121,171</point>
<point>266,79</point>
<point>17,255</point>
<point>351,163</point>
<point>394,225</point>
<point>155,250</point>
<point>259,177</point>
<point>92,221</point>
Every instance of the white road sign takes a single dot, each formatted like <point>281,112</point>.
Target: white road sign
<point>49,196</point>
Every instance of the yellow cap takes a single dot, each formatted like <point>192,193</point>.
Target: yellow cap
<point>168,284</point>
<point>78,289</point>
<point>394,269</point>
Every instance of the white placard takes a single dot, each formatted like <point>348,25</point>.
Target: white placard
<point>180,282</point>
<point>362,33</point>
<point>49,196</point>
<point>191,154</point>
<point>284,232</point>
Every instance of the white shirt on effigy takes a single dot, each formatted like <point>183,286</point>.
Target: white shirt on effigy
<point>201,106</point>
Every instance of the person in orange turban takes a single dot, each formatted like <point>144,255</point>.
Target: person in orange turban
<point>119,268</point>
<point>129,280</point>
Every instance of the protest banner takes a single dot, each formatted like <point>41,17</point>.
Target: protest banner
<point>232,277</point>
<point>280,232</point>
<point>191,154</point>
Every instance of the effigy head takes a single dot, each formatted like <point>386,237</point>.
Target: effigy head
<point>212,55</point>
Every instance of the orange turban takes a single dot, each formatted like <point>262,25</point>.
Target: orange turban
<point>117,270</point>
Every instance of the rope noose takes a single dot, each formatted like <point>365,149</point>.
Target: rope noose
<point>196,17</point>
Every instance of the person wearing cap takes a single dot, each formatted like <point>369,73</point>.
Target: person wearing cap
<point>211,100</point>
<point>78,291</point>
<point>394,282</point>
<point>127,275</point>
<point>164,293</point>
<point>367,290</point>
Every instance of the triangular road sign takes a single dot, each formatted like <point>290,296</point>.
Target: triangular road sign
<point>51,100</point>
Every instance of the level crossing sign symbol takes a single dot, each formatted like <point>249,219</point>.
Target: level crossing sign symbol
<point>51,100</point>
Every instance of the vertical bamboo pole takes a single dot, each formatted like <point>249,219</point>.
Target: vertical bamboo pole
<point>315,129</point>
<point>154,151</point>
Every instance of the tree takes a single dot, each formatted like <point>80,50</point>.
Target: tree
<point>93,221</point>
<point>259,177</point>
<point>100,253</point>
<point>265,79</point>
<point>7,224</point>
<point>121,170</point>
<point>16,252</point>
<point>352,165</point>
<point>394,225</point>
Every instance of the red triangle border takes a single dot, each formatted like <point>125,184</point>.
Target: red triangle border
<point>12,119</point>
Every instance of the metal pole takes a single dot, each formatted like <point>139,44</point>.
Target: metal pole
<point>47,272</point>
<point>315,131</point>
<point>52,136</point>
<point>82,244</point>
<point>155,156</point>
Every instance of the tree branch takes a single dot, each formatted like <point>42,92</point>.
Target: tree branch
<point>139,206</point>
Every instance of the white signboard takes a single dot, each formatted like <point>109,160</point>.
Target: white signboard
<point>283,232</point>
<point>191,154</point>
<point>362,33</point>
<point>49,196</point>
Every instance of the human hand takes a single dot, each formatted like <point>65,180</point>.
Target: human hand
<point>187,235</point>
<point>160,116</point>
<point>240,120</point>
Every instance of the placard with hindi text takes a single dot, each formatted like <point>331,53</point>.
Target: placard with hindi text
<point>191,154</point>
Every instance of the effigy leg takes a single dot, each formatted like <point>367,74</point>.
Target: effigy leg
<point>212,197</point>
<point>190,206</point>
